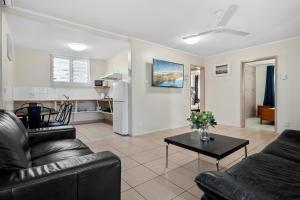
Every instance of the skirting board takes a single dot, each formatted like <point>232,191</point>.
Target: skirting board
<point>89,122</point>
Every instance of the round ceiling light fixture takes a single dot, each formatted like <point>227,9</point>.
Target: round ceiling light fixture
<point>77,46</point>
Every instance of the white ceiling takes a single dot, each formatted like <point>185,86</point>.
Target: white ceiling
<point>38,35</point>
<point>166,21</point>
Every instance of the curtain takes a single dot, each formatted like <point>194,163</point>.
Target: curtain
<point>196,88</point>
<point>269,99</point>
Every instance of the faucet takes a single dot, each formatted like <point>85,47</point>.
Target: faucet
<point>67,97</point>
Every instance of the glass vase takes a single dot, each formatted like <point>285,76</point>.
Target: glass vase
<point>204,134</point>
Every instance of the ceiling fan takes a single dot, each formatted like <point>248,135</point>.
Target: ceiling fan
<point>223,20</point>
<point>6,3</point>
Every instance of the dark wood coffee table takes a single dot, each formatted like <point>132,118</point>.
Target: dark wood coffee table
<point>218,147</point>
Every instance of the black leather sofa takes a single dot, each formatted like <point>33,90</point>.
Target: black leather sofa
<point>273,174</point>
<point>51,164</point>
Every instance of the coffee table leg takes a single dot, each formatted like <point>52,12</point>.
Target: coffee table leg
<point>246,153</point>
<point>198,161</point>
<point>167,155</point>
<point>217,164</point>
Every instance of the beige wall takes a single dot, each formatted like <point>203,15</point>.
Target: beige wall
<point>98,69</point>
<point>223,93</point>
<point>155,108</point>
<point>32,68</point>
<point>118,63</point>
<point>30,62</point>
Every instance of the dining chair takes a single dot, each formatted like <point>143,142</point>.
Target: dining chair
<point>34,117</point>
<point>63,117</point>
<point>23,116</point>
<point>46,116</point>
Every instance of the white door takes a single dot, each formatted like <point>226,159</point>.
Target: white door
<point>250,92</point>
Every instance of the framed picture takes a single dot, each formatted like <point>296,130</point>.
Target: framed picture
<point>9,47</point>
<point>222,70</point>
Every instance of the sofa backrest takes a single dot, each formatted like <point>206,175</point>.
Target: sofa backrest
<point>14,144</point>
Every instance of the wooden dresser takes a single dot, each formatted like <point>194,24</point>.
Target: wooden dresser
<point>266,113</point>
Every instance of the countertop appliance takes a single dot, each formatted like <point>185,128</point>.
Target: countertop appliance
<point>120,107</point>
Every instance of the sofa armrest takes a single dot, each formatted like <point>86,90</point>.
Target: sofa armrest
<point>52,133</point>
<point>221,186</point>
<point>95,176</point>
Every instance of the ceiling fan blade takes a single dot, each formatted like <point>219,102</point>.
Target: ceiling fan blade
<point>228,15</point>
<point>235,32</point>
<point>197,35</point>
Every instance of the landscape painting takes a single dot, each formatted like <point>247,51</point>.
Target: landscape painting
<point>167,74</point>
<point>222,70</point>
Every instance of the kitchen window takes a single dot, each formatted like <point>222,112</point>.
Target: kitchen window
<point>70,71</point>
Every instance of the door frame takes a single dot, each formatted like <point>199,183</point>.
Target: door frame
<point>202,87</point>
<point>242,96</point>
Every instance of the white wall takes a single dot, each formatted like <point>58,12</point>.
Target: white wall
<point>155,108</point>
<point>261,73</point>
<point>223,93</point>
<point>7,66</point>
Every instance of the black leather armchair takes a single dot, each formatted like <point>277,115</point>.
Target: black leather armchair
<point>273,174</point>
<point>51,164</point>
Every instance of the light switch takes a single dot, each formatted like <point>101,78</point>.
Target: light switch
<point>147,83</point>
<point>284,77</point>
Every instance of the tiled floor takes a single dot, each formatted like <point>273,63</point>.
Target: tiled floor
<point>254,122</point>
<point>144,176</point>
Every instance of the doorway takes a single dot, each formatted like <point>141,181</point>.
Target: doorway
<point>258,94</point>
<point>197,88</point>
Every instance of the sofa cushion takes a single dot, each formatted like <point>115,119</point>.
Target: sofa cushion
<point>276,177</point>
<point>53,151</point>
<point>286,146</point>
<point>259,177</point>
<point>14,145</point>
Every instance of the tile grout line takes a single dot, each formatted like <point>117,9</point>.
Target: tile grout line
<point>227,130</point>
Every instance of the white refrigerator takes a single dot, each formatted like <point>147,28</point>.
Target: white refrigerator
<point>120,107</point>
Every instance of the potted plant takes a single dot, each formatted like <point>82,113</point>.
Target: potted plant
<point>201,121</point>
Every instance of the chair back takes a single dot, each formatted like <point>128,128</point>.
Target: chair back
<point>32,104</point>
<point>68,113</point>
<point>65,114</point>
<point>34,117</point>
<point>23,111</point>
<point>46,117</point>
<point>60,116</point>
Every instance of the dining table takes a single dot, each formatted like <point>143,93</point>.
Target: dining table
<point>44,112</point>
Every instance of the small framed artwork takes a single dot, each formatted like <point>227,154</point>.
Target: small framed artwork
<point>9,47</point>
<point>222,70</point>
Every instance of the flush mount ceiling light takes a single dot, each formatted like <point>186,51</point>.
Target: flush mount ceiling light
<point>77,46</point>
<point>192,39</point>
